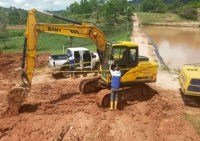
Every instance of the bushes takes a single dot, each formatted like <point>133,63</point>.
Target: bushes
<point>189,13</point>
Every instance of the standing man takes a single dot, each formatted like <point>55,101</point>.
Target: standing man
<point>115,84</point>
<point>71,67</point>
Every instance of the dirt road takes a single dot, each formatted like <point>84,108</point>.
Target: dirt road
<point>55,110</point>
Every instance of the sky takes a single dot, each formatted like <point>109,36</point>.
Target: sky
<point>40,5</point>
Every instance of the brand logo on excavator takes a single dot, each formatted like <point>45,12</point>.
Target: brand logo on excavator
<point>54,29</point>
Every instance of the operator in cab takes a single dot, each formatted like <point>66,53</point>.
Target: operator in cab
<point>115,85</point>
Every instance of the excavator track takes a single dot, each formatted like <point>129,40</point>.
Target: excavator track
<point>103,98</point>
<point>89,85</point>
<point>135,92</point>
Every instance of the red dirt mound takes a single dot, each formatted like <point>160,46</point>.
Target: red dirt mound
<point>10,63</point>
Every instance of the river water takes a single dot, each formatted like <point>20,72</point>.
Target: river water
<point>176,45</point>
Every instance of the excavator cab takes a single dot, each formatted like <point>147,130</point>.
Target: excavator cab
<point>123,55</point>
<point>135,72</point>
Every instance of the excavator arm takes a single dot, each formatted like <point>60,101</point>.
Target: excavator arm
<point>77,29</point>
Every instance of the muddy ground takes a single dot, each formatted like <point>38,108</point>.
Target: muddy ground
<point>55,110</point>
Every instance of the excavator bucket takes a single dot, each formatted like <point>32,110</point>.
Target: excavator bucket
<point>15,98</point>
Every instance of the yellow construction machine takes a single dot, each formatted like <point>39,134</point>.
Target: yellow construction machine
<point>136,70</point>
<point>189,79</point>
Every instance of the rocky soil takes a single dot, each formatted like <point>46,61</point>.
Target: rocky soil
<point>55,110</point>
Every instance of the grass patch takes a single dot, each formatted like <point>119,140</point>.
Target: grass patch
<point>149,18</point>
<point>16,32</point>
<point>165,68</point>
<point>54,43</point>
<point>194,120</point>
<point>178,70</point>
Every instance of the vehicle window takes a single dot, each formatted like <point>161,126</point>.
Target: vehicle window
<point>68,52</point>
<point>77,56</point>
<point>86,55</point>
<point>195,82</point>
<point>119,54</point>
<point>93,56</point>
<point>62,57</point>
<point>194,88</point>
<point>132,55</point>
<point>86,58</point>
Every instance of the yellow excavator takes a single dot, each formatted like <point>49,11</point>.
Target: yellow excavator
<point>136,70</point>
<point>189,79</point>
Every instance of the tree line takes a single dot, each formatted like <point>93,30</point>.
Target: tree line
<point>107,11</point>
<point>186,11</point>
<point>111,12</point>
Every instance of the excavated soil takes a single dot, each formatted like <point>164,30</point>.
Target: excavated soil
<point>55,110</point>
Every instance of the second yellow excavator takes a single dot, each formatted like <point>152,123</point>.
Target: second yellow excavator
<point>136,70</point>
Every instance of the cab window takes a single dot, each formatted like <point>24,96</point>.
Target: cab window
<point>132,55</point>
<point>124,56</point>
<point>119,55</point>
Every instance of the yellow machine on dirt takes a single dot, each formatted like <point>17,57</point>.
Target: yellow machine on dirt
<point>136,70</point>
<point>190,79</point>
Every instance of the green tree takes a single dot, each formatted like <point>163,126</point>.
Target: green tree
<point>3,34</point>
<point>130,11</point>
<point>122,7</point>
<point>86,8</point>
<point>3,30</point>
<point>176,4</point>
<point>97,8</point>
<point>194,3</point>
<point>13,17</point>
<point>111,12</point>
<point>74,8</point>
<point>189,13</point>
<point>114,8</point>
<point>22,16</point>
<point>156,6</point>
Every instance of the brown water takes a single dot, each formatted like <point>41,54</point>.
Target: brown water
<point>177,45</point>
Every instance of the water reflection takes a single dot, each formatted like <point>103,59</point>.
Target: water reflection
<point>176,45</point>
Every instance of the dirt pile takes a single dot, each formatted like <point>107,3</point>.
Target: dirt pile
<point>10,64</point>
<point>15,99</point>
<point>10,70</point>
